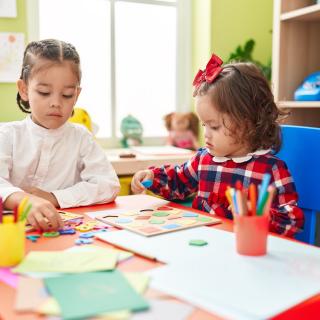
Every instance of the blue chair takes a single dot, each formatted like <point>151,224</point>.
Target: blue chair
<point>301,152</point>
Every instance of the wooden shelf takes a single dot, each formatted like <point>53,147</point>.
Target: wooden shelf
<point>299,104</point>
<point>295,55</point>
<point>310,13</point>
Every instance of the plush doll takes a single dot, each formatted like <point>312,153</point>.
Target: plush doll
<point>81,116</point>
<point>183,130</point>
<point>131,129</point>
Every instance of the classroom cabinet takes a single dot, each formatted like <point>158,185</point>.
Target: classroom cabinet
<point>295,55</point>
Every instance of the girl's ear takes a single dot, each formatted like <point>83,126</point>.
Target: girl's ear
<point>23,89</point>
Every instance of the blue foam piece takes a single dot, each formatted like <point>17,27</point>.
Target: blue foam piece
<point>67,231</point>
<point>190,215</point>
<point>172,226</point>
<point>123,220</point>
<point>147,183</point>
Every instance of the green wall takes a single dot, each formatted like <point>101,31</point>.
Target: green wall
<point>219,26</point>
<point>8,108</point>
<point>234,22</point>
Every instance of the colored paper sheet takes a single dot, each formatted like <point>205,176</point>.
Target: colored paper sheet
<point>30,294</point>
<point>67,261</point>
<point>165,309</point>
<point>138,280</point>
<point>89,294</point>
<point>9,278</point>
<point>121,254</point>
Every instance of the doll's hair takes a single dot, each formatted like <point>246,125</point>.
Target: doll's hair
<point>242,92</point>
<point>192,118</point>
<point>55,51</point>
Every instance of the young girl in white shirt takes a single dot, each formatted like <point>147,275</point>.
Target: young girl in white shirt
<point>53,162</point>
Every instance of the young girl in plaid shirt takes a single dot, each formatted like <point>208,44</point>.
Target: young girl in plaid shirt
<point>239,116</point>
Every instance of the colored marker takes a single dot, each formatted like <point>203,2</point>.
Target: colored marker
<point>15,214</point>
<point>228,195</point>
<point>238,185</point>
<point>263,188</point>
<point>147,183</point>
<point>1,210</point>
<point>271,191</point>
<point>234,198</point>
<point>25,213</point>
<point>21,206</point>
<point>253,198</point>
<point>239,200</point>
<point>262,203</point>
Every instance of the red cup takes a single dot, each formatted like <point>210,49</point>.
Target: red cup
<point>251,234</point>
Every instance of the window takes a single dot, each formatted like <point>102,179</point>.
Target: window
<point>134,55</point>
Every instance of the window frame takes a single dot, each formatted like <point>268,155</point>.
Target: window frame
<point>183,60</point>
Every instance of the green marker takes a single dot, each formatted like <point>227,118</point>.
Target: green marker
<point>262,203</point>
<point>25,212</point>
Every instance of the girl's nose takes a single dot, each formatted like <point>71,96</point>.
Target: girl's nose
<point>206,133</point>
<point>55,102</point>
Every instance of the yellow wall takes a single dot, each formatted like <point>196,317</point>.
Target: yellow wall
<point>9,109</point>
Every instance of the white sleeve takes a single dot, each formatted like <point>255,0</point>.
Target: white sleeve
<point>6,145</point>
<point>99,182</point>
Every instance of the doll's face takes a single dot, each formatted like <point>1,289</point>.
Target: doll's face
<point>179,122</point>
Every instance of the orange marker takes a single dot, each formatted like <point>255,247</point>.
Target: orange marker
<point>253,198</point>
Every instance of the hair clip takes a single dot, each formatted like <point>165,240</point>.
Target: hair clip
<point>210,73</point>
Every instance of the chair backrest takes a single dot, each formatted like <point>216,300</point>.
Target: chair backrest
<point>301,152</point>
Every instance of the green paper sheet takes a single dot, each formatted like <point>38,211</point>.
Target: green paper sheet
<point>67,261</point>
<point>88,294</point>
<point>138,280</point>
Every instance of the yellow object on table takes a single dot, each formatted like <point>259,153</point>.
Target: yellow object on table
<point>12,242</point>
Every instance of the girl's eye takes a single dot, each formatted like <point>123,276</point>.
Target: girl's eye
<point>214,128</point>
<point>68,96</point>
<point>43,93</point>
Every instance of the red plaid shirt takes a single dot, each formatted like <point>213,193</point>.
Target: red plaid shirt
<point>209,180</point>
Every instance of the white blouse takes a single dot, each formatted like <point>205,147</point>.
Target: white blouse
<point>65,161</point>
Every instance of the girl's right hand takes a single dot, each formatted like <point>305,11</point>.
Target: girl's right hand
<point>140,176</point>
<point>43,215</point>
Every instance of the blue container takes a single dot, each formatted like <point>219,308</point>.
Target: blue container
<point>310,88</point>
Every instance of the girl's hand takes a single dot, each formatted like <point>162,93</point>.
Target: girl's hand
<point>43,215</point>
<point>140,176</point>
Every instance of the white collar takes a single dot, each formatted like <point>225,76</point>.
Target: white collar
<point>240,159</point>
<point>43,131</point>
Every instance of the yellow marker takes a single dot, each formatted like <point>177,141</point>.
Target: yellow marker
<point>21,206</point>
<point>228,195</point>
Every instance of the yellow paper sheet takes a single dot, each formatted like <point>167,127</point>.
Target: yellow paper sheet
<point>67,261</point>
<point>121,254</point>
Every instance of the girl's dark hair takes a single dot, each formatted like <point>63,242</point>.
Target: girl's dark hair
<point>50,49</point>
<point>242,92</point>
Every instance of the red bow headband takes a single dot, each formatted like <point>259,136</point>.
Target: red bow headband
<point>211,71</point>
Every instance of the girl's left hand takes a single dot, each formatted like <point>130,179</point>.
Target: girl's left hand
<point>43,194</point>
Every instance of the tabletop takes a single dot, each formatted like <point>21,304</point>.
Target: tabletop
<point>308,309</point>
